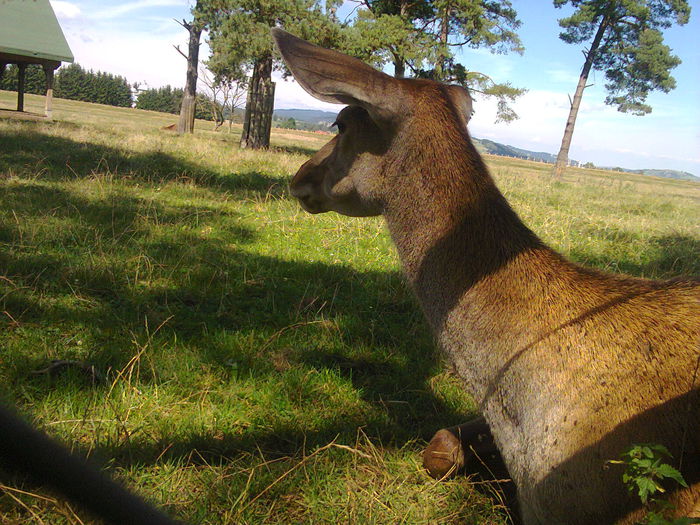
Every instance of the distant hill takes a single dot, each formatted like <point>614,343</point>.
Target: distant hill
<point>306,115</point>
<point>494,148</point>
<point>667,174</point>
<point>483,145</point>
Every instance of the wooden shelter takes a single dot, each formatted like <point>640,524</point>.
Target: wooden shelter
<point>30,34</point>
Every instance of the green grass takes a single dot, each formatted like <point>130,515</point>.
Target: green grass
<point>261,365</point>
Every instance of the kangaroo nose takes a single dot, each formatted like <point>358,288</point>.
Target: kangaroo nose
<point>305,187</point>
<point>300,191</point>
<point>307,199</point>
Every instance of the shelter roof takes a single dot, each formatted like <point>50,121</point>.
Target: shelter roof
<point>29,29</point>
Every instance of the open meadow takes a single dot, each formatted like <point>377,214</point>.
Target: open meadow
<point>253,363</point>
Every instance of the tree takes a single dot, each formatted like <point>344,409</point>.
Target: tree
<point>167,99</point>
<point>185,123</point>
<point>223,94</point>
<point>164,99</point>
<point>239,36</point>
<point>423,35</point>
<point>75,83</point>
<point>34,79</point>
<point>287,123</point>
<point>627,44</point>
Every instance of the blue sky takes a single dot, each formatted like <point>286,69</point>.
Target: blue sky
<point>135,39</point>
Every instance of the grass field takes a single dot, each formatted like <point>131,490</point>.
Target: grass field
<point>256,364</point>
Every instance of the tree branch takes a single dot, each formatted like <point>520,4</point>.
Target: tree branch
<point>177,48</point>
<point>184,24</point>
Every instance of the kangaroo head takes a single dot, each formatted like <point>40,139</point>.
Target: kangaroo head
<point>385,118</point>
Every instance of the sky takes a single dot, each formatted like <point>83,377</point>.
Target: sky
<point>136,39</point>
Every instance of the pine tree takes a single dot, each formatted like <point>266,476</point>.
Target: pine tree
<point>34,79</point>
<point>422,36</point>
<point>625,41</point>
<point>73,82</point>
<point>164,99</point>
<point>70,82</point>
<point>121,92</point>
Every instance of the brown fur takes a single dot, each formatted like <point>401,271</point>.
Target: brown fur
<point>569,365</point>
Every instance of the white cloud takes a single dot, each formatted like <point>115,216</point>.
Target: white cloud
<point>65,10</point>
<point>118,10</point>
<point>602,135</point>
<point>290,95</point>
<point>149,58</point>
<point>562,76</point>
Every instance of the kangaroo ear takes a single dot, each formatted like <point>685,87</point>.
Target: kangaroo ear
<point>462,101</point>
<point>334,77</point>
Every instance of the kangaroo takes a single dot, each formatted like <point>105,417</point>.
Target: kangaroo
<point>569,365</point>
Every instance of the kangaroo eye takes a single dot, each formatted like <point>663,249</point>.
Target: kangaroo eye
<point>340,125</point>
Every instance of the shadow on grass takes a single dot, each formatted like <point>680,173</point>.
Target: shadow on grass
<point>30,153</point>
<point>83,280</point>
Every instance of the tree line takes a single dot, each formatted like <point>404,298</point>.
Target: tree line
<point>167,99</point>
<point>72,82</point>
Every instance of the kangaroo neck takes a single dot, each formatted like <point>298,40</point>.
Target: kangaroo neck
<point>455,238</point>
<point>475,269</point>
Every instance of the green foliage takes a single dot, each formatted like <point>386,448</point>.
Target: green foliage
<point>480,23</point>
<point>164,99</point>
<point>648,69</point>
<point>393,31</point>
<point>239,30</point>
<point>481,83</point>
<point>631,51</point>
<point>240,40</point>
<point>167,99</point>
<point>34,79</point>
<point>288,123</point>
<point>646,474</point>
<point>75,83</point>
<point>646,470</point>
<point>381,38</point>
<point>208,109</point>
<point>423,35</point>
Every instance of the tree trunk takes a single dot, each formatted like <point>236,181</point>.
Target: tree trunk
<point>399,68</point>
<point>399,62</point>
<point>441,65</point>
<point>563,156</point>
<point>185,123</point>
<point>259,106</point>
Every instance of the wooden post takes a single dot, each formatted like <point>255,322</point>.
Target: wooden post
<point>20,86</point>
<point>49,90</point>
